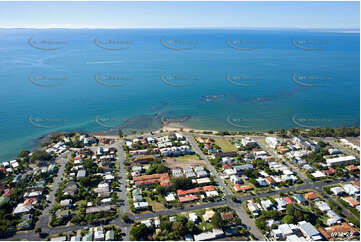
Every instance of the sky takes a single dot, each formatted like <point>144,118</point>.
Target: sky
<point>307,15</point>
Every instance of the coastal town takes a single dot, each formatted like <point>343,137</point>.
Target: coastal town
<point>184,185</point>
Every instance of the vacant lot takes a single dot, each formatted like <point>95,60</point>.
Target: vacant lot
<point>225,145</point>
<point>183,161</point>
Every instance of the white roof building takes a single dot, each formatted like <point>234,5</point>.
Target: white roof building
<point>322,206</point>
<point>337,190</point>
<point>193,217</point>
<point>340,160</point>
<point>351,190</point>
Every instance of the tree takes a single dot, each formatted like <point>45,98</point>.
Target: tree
<point>182,183</point>
<point>37,230</point>
<point>40,155</point>
<point>23,154</point>
<point>139,231</point>
<point>120,133</point>
<point>288,219</point>
<point>217,221</point>
<point>125,217</point>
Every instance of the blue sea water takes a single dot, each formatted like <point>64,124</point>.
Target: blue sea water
<point>221,79</point>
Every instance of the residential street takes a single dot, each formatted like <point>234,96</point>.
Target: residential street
<point>239,209</point>
<point>124,208</point>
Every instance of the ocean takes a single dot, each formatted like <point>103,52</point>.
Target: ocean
<point>93,80</point>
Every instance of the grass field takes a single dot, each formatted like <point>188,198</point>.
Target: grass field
<point>183,161</point>
<point>225,144</point>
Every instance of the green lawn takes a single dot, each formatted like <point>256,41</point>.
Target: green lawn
<point>225,145</point>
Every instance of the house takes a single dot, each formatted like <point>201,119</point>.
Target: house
<point>351,190</point>
<point>208,214</point>
<point>106,201</point>
<point>193,217</point>
<point>201,174</point>
<point>311,196</point>
<point>157,222</point>
<point>188,198</point>
<point>81,174</point>
<point>329,172</point>
<point>299,199</point>
<point>140,205</point>
<point>262,182</point>
<point>212,193</point>
<point>227,215</point>
<point>22,209</point>
<point>288,200</point>
<point>190,174</point>
<point>342,160</point>
<point>109,235</point>
<point>318,174</point>
<point>226,166</point>
<point>272,142</point>
<point>97,209</point>
<point>253,208</point>
<point>333,151</point>
<point>285,230</point>
<point>229,172</point>
<point>66,203</point>
<point>177,172</point>
<point>309,231</point>
<point>337,191</point>
<point>75,238</point>
<point>245,167</point>
<point>351,201</point>
<point>334,218</point>
<point>203,181</point>
<point>266,204</point>
<point>247,141</point>
<point>236,179</point>
<point>62,214</point>
<point>270,180</point>
<point>143,159</point>
<point>331,233</point>
<point>282,204</point>
<point>352,168</point>
<point>238,188</point>
<point>322,206</point>
<point>61,238</point>
<point>163,179</point>
<point>170,197</point>
<point>98,234</point>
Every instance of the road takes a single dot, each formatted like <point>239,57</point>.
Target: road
<point>342,148</point>
<point>262,144</point>
<point>45,216</point>
<point>239,209</point>
<point>124,208</point>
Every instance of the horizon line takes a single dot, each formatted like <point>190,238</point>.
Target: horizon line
<point>196,27</point>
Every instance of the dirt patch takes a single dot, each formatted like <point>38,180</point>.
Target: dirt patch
<point>183,161</point>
